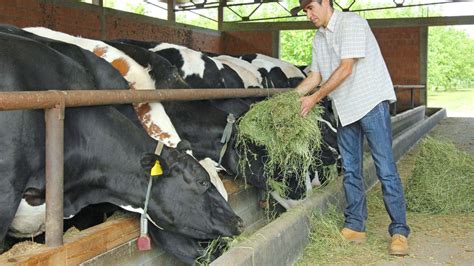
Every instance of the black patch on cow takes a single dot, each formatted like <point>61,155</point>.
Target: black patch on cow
<point>294,82</point>
<point>249,57</point>
<point>34,196</point>
<point>212,76</point>
<point>278,78</point>
<point>145,44</point>
<point>231,77</point>
<point>266,81</point>
<point>173,56</point>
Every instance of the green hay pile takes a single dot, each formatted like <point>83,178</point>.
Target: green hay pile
<point>289,139</point>
<point>442,181</point>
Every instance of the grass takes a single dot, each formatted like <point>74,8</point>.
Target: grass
<point>457,103</point>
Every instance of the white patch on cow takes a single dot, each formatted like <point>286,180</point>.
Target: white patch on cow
<point>136,75</point>
<point>140,211</point>
<point>192,60</point>
<point>267,65</point>
<point>160,118</point>
<point>209,165</point>
<point>316,182</point>
<point>290,70</point>
<point>328,124</point>
<point>285,203</point>
<point>29,220</point>
<point>307,183</point>
<point>246,71</point>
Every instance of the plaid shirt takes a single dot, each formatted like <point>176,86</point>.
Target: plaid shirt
<point>349,36</point>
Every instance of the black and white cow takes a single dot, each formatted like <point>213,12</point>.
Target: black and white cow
<point>281,74</point>
<point>107,156</point>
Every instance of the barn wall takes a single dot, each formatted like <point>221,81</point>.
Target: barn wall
<point>94,22</point>
<point>402,49</point>
<point>247,42</point>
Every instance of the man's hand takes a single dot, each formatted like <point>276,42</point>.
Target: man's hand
<point>307,103</point>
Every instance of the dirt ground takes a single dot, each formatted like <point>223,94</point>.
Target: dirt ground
<point>436,239</point>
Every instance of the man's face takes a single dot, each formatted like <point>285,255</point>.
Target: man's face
<point>316,13</point>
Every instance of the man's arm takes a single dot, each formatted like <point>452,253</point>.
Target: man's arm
<point>309,83</point>
<point>337,77</point>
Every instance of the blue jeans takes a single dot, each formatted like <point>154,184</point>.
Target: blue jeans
<point>376,126</point>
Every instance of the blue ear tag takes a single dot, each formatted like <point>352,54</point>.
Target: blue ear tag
<point>156,170</point>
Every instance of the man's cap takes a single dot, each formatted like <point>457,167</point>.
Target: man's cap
<point>294,11</point>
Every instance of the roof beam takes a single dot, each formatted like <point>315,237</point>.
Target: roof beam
<point>374,23</point>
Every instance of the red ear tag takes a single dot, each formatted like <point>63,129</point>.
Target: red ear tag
<point>144,243</point>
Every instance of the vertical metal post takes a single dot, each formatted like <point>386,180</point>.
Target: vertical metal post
<point>54,175</point>
<point>171,13</point>
<point>412,98</point>
<point>276,44</point>
<point>220,14</point>
<point>423,65</point>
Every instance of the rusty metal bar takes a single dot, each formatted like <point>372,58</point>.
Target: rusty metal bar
<point>75,98</point>
<point>54,170</point>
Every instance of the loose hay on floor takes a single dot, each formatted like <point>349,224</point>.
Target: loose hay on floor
<point>21,248</point>
<point>442,181</point>
<point>289,139</point>
<point>328,247</point>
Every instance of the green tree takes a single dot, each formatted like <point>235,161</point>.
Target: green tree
<point>451,60</point>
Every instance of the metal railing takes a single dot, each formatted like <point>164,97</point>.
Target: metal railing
<point>54,104</point>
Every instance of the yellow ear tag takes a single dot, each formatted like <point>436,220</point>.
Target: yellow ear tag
<point>156,170</point>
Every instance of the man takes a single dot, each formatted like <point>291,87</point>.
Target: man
<point>348,66</point>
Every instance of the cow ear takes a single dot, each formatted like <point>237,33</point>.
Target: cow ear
<point>34,196</point>
<point>183,145</point>
<point>154,164</point>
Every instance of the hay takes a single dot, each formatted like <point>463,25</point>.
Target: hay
<point>442,181</point>
<point>21,248</point>
<point>290,140</point>
<point>214,248</point>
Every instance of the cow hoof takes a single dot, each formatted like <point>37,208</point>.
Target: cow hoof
<point>263,204</point>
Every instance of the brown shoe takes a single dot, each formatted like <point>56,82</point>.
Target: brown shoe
<point>353,236</point>
<point>398,246</point>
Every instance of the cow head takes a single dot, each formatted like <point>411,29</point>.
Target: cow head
<point>183,199</point>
